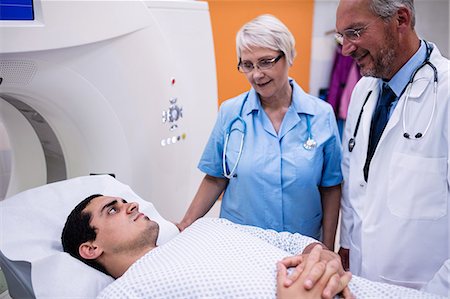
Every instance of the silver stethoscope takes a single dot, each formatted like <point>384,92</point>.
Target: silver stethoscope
<point>309,144</point>
<point>418,135</point>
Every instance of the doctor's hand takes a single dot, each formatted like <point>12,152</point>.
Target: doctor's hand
<point>327,282</point>
<point>344,253</point>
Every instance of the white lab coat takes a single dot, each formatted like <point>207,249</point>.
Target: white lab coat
<point>397,224</point>
<point>440,284</point>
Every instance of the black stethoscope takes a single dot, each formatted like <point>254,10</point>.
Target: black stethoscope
<point>418,135</point>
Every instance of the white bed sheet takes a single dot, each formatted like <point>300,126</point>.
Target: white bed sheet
<point>31,225</point>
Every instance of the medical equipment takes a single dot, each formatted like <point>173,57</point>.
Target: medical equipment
<point>88,95</point>
<point>411,80</point>
<point>122,90</point>
<point>309,144</point>
<point>429,50</point>
<point>352,142</point>
<point>226,173</point>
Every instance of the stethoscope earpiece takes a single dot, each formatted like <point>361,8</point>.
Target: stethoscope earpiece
<point>417,136</point>
<point>410,83</point>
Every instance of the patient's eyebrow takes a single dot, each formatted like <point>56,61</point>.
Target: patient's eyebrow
<point>110,204</point>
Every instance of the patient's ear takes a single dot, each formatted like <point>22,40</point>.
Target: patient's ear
<point>89,251</point>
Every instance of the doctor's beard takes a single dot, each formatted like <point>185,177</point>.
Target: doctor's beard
<point>383,60</point>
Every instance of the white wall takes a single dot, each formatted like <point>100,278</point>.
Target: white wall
<point>323,44</point>
<point>432,24</point>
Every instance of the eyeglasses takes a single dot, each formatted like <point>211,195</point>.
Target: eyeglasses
<point>263,64</point>
<point>352,34</point>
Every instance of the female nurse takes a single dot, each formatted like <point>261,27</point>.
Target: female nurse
<point>274,151</point>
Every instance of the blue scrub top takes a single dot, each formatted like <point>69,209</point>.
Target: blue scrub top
<point>277,179</point>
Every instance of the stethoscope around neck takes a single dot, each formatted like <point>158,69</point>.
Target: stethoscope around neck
<point>309,144</point>
<point>418,135</point>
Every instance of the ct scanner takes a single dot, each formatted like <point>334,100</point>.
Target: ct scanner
<point>120,87</point>
<point>92,87</point>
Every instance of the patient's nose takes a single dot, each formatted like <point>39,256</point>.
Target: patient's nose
<point>132,207</point>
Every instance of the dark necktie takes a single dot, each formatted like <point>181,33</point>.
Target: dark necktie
<point>379,121</point>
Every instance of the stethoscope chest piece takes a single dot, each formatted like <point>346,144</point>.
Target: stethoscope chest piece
<point>309,144</point>
<point>351,144</point>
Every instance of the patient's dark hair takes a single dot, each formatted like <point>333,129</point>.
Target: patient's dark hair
<point>77,230</point>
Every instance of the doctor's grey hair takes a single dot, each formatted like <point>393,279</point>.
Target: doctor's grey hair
<point>266,31</point>
<point>387,8</point>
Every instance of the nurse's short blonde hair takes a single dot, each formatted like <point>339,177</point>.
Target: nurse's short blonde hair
<point>266,31</point>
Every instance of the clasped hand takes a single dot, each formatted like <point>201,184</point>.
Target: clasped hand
<point>318,274</point>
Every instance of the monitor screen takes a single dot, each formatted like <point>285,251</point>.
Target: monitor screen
<point>16,10</point>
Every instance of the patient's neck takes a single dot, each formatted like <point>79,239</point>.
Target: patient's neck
<point>118,263</point>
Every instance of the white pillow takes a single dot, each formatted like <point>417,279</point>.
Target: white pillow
<point>31,226</point>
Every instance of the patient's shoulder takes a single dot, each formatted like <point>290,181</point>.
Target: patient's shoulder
<point>212,221</point>
<point>214,224</point>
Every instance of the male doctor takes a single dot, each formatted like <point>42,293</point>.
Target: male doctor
<point>395,205</point>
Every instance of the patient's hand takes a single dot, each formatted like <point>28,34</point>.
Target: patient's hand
<point>316,275</point>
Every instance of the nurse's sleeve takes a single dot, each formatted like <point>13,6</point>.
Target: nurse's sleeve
<point>211,160</point>
<point>331,173</point>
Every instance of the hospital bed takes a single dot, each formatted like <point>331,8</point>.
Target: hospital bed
<point>31,251</point>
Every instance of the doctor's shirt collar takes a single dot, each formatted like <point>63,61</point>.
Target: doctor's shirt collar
<point>401,78</point>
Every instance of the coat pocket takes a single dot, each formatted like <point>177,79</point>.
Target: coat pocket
<point>417,187</point>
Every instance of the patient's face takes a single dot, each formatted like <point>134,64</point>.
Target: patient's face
<point>119,225</point>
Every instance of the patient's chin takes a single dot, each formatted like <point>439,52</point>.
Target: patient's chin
<point>153,232</point>
<point>154,225</point>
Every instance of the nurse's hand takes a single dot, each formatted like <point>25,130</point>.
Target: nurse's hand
<point>180,226</point>
<point>344,253</point>
<point>327,280</point>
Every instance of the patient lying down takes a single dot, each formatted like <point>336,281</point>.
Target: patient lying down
<point>211,258</point>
